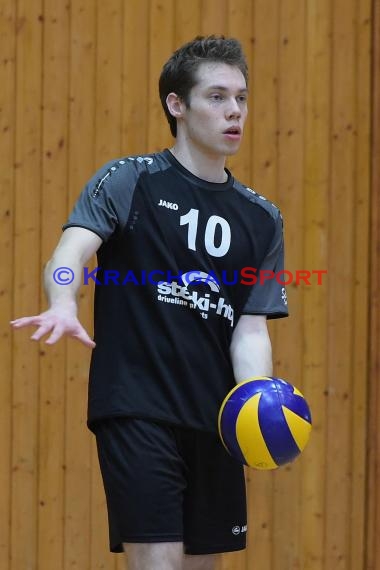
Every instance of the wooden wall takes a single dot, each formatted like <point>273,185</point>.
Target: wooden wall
<point>373,494</point>
<point>78,87</point>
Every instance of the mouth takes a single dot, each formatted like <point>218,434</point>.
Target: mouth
<point>232,134</point>
<point>233,131</point>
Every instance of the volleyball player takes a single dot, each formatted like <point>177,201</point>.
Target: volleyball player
<point>175,324</point>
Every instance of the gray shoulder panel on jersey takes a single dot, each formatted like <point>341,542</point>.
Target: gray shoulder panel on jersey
<point>105,201</point>
<point>258,199</point>
<point>131,167</point>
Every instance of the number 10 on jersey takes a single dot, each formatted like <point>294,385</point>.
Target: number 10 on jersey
<point>191,220</point>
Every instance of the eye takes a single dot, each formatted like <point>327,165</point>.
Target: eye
<point>242,98</point>
<point>216,97</point>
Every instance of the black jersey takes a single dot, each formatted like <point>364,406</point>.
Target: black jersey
<point>176,269</point>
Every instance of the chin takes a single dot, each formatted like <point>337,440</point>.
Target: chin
<point>222,150</point>
<point>230,151</point>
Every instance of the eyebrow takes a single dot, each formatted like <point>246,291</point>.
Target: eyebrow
<point>222,88</point>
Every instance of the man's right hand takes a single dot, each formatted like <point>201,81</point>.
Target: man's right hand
<point>58,322</point>
<point>75,248</point>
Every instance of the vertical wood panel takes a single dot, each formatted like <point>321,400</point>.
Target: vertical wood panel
<point>316,190</point>
<point>341,220</point>
<point>27,284</point>
<point>187,21</point>
<point>81,166</point>
<point>107,146</point>
<point>361,293</point>
<point>265,81</point>
<point>213,17</point>
<point>264,176</point>
<point>108,79</point>
<point>290,333</point>
<point>135,100</point>
<point>7,136</point>
<point>53,211</point>
<point>373,438</point>
<point>160,48</point>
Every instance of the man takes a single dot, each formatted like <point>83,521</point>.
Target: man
<point>176,324</point>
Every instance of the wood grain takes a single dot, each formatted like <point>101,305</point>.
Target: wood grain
<point>77,514</point>
<point>316,239</point>
<point>372,526</point>
<point>7,179</point>
<point>27,260</point>
<point>53,211</point>
<point>80,87</point>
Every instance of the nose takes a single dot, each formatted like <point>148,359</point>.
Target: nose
<point>233,110</point>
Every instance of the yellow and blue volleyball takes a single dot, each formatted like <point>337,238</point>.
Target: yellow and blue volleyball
<point>264,422</point>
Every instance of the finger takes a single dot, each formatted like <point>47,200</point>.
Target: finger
<point>41,331</point>
<point>57,333</point>
<point>81,335</point>
<point>26,321</point>
<point>84,338</point>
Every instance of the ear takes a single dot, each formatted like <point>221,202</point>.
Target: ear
<point>175,105</point>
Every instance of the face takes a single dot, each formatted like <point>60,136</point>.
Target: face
<point>214,121</point>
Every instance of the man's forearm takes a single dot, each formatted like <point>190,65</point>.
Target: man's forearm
<point>251,353</point>
<point>62,280</point>
<point>63,272</point>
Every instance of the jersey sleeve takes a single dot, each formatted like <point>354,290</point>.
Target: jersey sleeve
<point>104,203</point>
<point>268,295</point>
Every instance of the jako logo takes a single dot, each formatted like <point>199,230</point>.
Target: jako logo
<point>170,205</point>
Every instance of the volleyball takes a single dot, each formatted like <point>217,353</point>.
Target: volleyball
<point>264,422</point>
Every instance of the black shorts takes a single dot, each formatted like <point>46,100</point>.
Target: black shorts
<point>170,484</point>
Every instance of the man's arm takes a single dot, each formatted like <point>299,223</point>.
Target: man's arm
<point>75,248</point>
<point>251,349</point>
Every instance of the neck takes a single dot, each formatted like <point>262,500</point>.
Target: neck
<point>205,166</point>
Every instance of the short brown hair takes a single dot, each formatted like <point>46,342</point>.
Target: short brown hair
<point>179,72</point>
